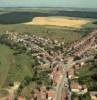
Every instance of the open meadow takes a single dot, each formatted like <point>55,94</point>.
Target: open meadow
<point>13,67</point>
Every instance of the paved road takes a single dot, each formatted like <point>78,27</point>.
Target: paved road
<point>61,84</point>
<point>64,79</point>
<point>59,89</point>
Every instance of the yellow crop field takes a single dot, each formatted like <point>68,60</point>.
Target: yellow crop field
<point>58,21</point>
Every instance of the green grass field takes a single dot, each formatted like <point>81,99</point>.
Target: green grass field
<point>60,33</point>
<point>5,62</point>
<point>13,68</point>
<point>65,34</point>
<point>22,68</point>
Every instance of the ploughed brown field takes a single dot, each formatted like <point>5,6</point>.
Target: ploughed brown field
<point>58,21</point>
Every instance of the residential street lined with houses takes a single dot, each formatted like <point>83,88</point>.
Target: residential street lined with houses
<point>51,55</point>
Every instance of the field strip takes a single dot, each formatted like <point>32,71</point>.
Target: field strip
<point>58,21</point>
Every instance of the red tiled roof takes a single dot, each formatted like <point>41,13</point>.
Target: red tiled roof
<point>75,85</point>
<point>51,93</point>
<point>20,98</point>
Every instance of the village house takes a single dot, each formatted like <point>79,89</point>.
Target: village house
<point>93,95</point>
<point>56,73</point>
<point>50,94</point>
<point>56,76</point>
<point>20,98</point>
<point>71,73</point>
<point>77,88</point>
